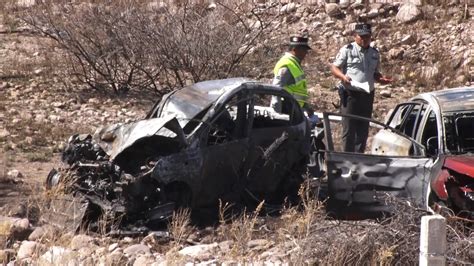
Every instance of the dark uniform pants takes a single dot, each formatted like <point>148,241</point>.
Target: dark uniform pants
<point>355,132</point>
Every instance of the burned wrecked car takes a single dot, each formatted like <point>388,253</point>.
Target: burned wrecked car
<point>424,152</point>
<point>211,141</point>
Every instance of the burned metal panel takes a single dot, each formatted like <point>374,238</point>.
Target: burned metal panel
<point>223,175</point>
<point>184,166</point>
<point>114,139</point>
<point>361,182</point>
<point>189,101</point>
<point>456,99</point>
<point>388,143</point>
<point>269,164</point>
<point>418,149</point>
<point>66,212</point>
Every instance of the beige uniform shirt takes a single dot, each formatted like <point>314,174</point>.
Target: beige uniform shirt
<point>359,64</point>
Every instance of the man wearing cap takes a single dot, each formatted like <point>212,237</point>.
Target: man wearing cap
<point>357,67</point>
<point>289,74</point>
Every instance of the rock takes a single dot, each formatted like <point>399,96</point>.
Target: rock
<point>25,3</point>
<point>20,229</point>
<point>408,13</point>
<point>59,105</point>
<point>429,72</point>
<point>4,85</point>
<point>80,241</point>
<point>113,246</point>
<point>85,252</point>
<point>202,251</point>
<point>288,8</point>
<point>226,246</point>
<point>100,251</point>
<point>461,79</point>
<point>127,240</point>
<point>59,256</point>
<point>408,40</point>
<point>373,13</point>
<point>329,23</point>
<point>316,25</point>
<point>396,53</point>
<point>27,249</point>
<point>333,10</point>
<point>158,7</point>
<point>386,93</point>
<point>136,249</point>
<point>144,260</point>
<point>429,11</point>
<point>415,2</point>
<point>259,244</point>
<point>358,5</point>
<point>4,133</point>
<point>116,258</point>
<point>212,6</point>
<point>7,255</point>
<point>157,237</point>
<point>45,232</point>
<point>40,118</point>
<point>93,101</point>
<point>344,3</point>
<point>28,140</point>
<point>14,174</point>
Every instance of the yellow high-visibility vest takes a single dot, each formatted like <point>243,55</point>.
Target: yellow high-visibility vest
<point>298,89</point>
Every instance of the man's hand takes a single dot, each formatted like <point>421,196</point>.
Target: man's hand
<point>337,72</point>
<point>382,79</point>
<point>385,80</point>
<point>346,79</point>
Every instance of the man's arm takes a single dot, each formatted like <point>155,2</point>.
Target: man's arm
<point>339,63</point>
<point>378,77</point>
<point>382,79</point>
<point>337,72</point>
<point>283,77</point>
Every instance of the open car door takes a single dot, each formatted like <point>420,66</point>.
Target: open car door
<point>359,184</point>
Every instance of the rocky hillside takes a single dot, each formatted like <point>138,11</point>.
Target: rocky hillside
<point>424,47</point>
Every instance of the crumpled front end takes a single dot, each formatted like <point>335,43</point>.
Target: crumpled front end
<point>111,171</point>
<point>455,184</point>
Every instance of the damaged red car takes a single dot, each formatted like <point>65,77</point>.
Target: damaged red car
<point>214,140</point>
<point>424,152</point>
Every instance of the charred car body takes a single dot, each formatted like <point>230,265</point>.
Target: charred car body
<point>424,152</point>
<point>209,141</point>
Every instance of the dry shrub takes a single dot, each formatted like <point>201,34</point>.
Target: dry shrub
<point>136,45</point>
<point>389,241</point>
<point>180,226</point>
<point>240,229</point>
<point>297,221</point>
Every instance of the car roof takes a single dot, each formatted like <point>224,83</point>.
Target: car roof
<point>452,100</point>
<point>206,92</point>
<point>191,100</point>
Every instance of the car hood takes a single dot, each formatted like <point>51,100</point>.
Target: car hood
<point>116,138</point>
<point>461,164</point>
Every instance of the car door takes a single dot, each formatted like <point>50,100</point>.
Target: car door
<point>360,185</point>
<point>277,142</point>
<point>225,149</point>
<point>405,118</point>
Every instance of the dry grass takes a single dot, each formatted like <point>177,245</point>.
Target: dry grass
<point>180,227</point>
<point>238,228</point>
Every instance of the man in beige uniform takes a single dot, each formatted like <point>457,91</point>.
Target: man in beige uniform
<point>357,66</point>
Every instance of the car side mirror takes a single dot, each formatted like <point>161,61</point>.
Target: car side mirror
<point>432,145</point>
